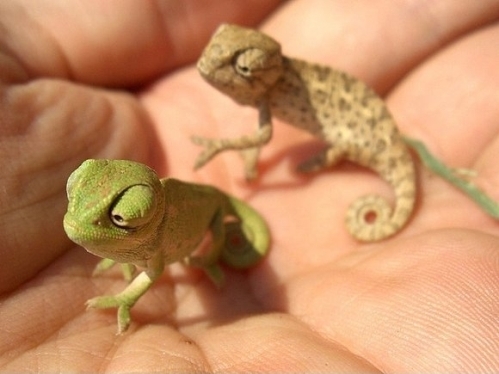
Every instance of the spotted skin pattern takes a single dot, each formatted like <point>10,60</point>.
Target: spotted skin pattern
<point>350,117</point>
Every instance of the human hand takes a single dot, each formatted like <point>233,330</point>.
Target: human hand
<point>424,300</point>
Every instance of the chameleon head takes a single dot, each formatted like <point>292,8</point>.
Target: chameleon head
<point>113,207</point>
<point>242,63</point>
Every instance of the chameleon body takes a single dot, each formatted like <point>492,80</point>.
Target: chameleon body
<point>350,117</point>
<point>121,211</point>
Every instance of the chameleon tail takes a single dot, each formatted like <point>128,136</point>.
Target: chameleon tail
<point>247,239</point>
<point>371,217</point>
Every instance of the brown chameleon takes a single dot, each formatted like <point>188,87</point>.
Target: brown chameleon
<point>350,117</point>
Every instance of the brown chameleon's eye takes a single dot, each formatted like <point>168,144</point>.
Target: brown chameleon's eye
<point>243,63</point>
<point>134,207</point>
<point>258,64</point>
<point>243,70</point>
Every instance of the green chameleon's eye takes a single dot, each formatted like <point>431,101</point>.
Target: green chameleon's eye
<point>134,207</point>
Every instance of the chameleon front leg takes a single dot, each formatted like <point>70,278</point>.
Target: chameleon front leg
<point>128,270</point>
<point>126,299</point>
<point>250,144</point>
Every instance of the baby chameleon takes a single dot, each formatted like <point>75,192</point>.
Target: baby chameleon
<point>121,211</point>
<point>350,117</point>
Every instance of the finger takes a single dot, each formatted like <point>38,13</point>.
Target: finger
<point>62,124</point>
<point>377,41</point>
<point>119,42</point>
<point>407,297</point>
<point>457,89</point>
<point>49,127</point>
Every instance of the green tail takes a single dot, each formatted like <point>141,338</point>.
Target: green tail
<point>438,167</point>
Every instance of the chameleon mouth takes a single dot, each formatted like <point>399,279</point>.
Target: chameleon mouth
<point>201,67</point>
<point>77,235</point>
<point>71,229</point>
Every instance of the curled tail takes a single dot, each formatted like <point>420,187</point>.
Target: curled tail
<point>247,239</point>
<point>371,218</point>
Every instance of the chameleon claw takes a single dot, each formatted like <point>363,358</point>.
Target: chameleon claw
<point>250,159</point>
<point>106,302</point>
<point>210,150</point>
<point>216,275</point>
<point>123,319</point>
<point>200,140</point>
<point>103,302</point>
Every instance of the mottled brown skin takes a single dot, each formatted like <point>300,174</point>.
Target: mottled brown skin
<point>248,66</point>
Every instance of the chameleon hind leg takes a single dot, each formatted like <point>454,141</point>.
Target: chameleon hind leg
<point>247,236</point>
<point>209,262</point>
<point>322,160</point>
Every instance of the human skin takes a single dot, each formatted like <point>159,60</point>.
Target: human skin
<point>78,83</point>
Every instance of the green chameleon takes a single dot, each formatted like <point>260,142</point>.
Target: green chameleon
<point>121,211</point>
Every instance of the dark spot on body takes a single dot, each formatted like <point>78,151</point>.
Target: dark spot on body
<point>344,105</point>
<point>322,72</point>
<point>320,96</point>
<point>380,146</point>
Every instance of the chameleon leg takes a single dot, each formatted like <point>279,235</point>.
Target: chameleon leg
<point>126,299</point>
<point>250,159</point>
<point>209,262</point>
<point>454,177</point>
<point>212,147</point>
<point>262,136</point>
<point>326,158</point>
<point>128,271</point>
<point>105,264</point>
<point>247,240</point>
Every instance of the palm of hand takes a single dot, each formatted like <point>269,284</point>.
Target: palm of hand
<point>424,300</point>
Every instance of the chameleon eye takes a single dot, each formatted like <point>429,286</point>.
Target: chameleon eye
<point>243,63</point>
<point>258,64</point>
<point>134,207</point>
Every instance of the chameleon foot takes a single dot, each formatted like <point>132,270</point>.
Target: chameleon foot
<point>106,302</point>
<point>250,159</point>
<point>242,248</point>
<point>211,148</point>
<point>213,271</point>
<point>310,166</point>
<point>216,275</point>
<point>320,161</point>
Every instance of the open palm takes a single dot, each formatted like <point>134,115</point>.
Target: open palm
<point>116,80</point>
